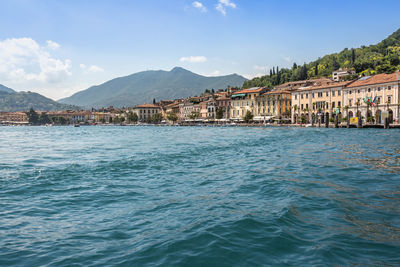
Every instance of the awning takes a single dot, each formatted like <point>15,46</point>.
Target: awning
<point>262,118</point>
<point>238,95</point>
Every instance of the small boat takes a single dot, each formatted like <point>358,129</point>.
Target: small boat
<point>76,125</point>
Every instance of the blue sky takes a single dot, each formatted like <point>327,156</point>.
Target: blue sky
<point>60,47</point>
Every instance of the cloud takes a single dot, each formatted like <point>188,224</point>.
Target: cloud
<point>287,59</point>
<point>23,59</point>
<point>199,6</point>
<point>91,69</point>
<point>223,4</point>
<point>261,68</point>
<point>52,45</point>
<point>193,59</point>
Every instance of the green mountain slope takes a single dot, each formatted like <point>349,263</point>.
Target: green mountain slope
<point>379,58</point>
<point>22,101</point>
<point>6,89</point>
<point>144,86</point>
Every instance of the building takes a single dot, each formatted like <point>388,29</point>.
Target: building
<point>317,101</point>
<point>275,104</point>
<point>146,111</point>
<point>381,89</point>
<point>223,102</point>
<point>339,74</point>
<point>243,101</point>
<point>13,118</point>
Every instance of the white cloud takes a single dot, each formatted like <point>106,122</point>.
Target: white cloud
<point>193,59</point>
<point>223,4</point>
<point>287,59</point>
<point>91,69</point>
<point>23,59</point>
<point>95,68</point>
<point>261,68</point>
<point>199,6</point>
<point>52,45</point>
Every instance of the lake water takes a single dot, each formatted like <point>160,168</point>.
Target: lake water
<point>199,196</point>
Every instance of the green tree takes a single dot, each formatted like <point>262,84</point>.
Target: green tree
<point>194,115</point>
<point>44,118</point>
<point>219,114</point>
<point>172,117</point>
<point>316,69</point>
<point>33,117</point>
<point>157,118</point>
<point>133,117</point>
<point>248,116</point>
<point>110,120</point>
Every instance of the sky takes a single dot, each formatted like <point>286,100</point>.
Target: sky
<point>57,48</point>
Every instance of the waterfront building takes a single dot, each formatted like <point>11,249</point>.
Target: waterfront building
<point>13,118</point>
<point>382,89</point>
<point>243,101</point>
<point>275,104</point>
<point>318,101</point>
<point>146,111</point>
<point>223,102</point>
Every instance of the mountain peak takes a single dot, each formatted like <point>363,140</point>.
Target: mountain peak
<point>179,69</point>
<point>6,89</point>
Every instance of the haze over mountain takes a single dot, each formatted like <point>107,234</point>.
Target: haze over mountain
<point>12,101</point>
<point>142,87</point>
<point>6,89</point>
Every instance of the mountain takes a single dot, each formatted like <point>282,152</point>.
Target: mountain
<point>383,57</point>
<point>6,89</point>
<point>144,86</point>
<point>22,101</point>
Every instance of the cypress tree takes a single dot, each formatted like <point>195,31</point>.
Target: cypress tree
<point>316,69</point>
<point>270,73</point>
<point>273,70</point>
<point>353,56</point>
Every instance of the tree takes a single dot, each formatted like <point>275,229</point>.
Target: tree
<point>335,64</point>
<point>248,117</point>
<point>353,56</point>
<point>110,120</point>
<point>154,100</point>
<point>294,66</point>
<point>157,118</point>
<point>44,118</point>
<point>133,117</point>
<point>270,72</point>
<point>316,69</point>
<point>33,117</point>
<point>172,117</point>
<point>194,115</point>
<point>219,114</point>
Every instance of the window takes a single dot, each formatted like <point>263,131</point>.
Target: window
<point>350,102</point>
<point>349,92</point>
<point>333,93</point>
<point>339,104</point>
<point>369,90</point>
<point>313,95</point>
<point>338,92</point>
<point>295,97</point>
<point>389,87</point>
<point>301,96</point>
<point>358,91</point>
<point>302,107</point>
<point>307,96</point>
<point>327,105</point>
<point>333,104</point>
<point>306,106</point>
<point>327,93</point>
<point>379,89</point>
<point>389,99</point>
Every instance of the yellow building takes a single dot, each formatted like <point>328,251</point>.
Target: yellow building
<point>275,104</point>
<point>318,101</point>
<point>243,101</point>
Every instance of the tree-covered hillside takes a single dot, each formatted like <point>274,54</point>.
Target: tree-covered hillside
<point>379,58</point>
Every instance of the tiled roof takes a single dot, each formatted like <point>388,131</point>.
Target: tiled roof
<point>323,86</point>
<point>250,90</point>
<point>146,106</point>
<point>376,79</point>
<point>274,92</point>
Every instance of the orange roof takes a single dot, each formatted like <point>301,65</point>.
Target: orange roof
<point>324,86</point>
<point>376,79</point>
<point>274,92</point>
<point>250,90</point>
<point>146,106</point>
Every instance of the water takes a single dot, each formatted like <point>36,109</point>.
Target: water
<point>149,196</point>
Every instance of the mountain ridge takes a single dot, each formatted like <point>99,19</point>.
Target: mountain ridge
<point>144,86</point>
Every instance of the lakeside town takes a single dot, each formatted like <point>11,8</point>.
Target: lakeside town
<point>337,101</point>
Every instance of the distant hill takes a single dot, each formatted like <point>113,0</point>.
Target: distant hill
<point>6,89</point>
<point>22,101</point>
<point>383,57</point>
<point>142,87</point>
